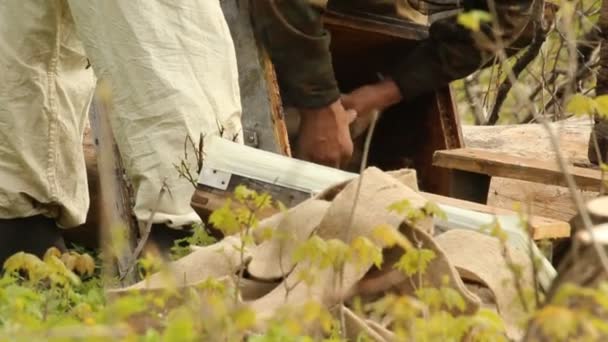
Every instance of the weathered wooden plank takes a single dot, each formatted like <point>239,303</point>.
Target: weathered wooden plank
<point>119,229</point>
<point>503,165</point>
<point>546,200</point>
<point>263,118</point>
<point>532,140</point>
<point>542,227</point>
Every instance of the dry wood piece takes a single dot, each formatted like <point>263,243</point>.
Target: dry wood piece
<point>116,212</point>
<point>598,209</point>
<point>532,141</point>
<point>542,227</point>
<point>544,200</point>
<point>263,119</point>
<point>502,165</point>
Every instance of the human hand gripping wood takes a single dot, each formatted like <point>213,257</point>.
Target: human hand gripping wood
<point>369,99</point>
<point>324,135</point>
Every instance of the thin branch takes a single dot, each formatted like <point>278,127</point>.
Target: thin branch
<point>478,110</point>
<point>146,233</point>
<point>531,254</point>
<point>366,147</point>
<point>601,253</point>
<point>522,63</point>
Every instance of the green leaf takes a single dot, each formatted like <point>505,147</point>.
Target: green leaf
<point>431,297</point>
<point>387,236</point>
<point>365,252</point>
<point>473,19</point>
<point>312,250</point>
<point>432,209</point>
<point>244,318</point>
<point>601,106</point>
<point>262,201</point>
<point>180,327</point>
<point>415,261</point>
<point>315,312</point>
<point>488,319</point>
<point>225,219</point>
<point>452,299</point>
<point>58,273</point>
<point>581,105</point>
<point>337,253</point>
<point>243,193</point>
<point>400,207</point>
<point>557,323</point>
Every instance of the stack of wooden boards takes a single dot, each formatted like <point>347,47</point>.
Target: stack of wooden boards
<point>517,164</point>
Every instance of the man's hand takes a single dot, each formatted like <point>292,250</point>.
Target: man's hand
<point>369,98</point>
<point>324,135</point>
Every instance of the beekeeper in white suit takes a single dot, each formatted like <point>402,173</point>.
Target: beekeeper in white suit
<point>172,72</point>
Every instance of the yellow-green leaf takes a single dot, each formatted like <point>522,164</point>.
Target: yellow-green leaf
<point>365,252</point>
<point>558,323</point>
<point>415,261</point>
<point>243,193</point>
<point>581,105</point>
<point>244,318</point>
<point>225,219</point>
<point>400,207</point>
<point>85,265</point>
<point>473,19</point>
<point>601,106</point>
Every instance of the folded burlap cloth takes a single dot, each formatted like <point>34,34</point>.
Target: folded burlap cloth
<point>332,215</point>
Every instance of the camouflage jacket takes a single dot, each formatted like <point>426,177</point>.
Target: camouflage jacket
<point>298,45</point>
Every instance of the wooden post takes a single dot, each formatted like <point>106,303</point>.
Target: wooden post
<point>263,118</point>
<point>118,227</point>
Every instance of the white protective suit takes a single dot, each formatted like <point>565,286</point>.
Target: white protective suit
<point>172,71</point>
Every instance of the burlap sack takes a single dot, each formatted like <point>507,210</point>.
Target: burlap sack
<point>378,190</point>
<point>356,326</point>
<point>269,285</point>
<point>440,269</point>
<point>272,259</point>
<point>376,193</point>
<point>478,257</point>
<point>214,261</point>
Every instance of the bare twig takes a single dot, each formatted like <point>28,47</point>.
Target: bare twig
<point>146,233</point>
<point>514,269</point>
<point>369,331</point>
<point>599,157</point>
<point>243,234</point>
<point>601,253</point>
<point>503,90</point>
<point>366,147</point>
<point>477,109</point>
<point>183,168</point>
<point>531,254</point>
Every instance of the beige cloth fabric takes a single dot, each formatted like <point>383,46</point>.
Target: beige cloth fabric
<point>492,271</point>
<point>172,71</point>
<point>326,216</point>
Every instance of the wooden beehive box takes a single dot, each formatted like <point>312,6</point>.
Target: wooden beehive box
<point>409,133</point>
<point>406,135</point>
